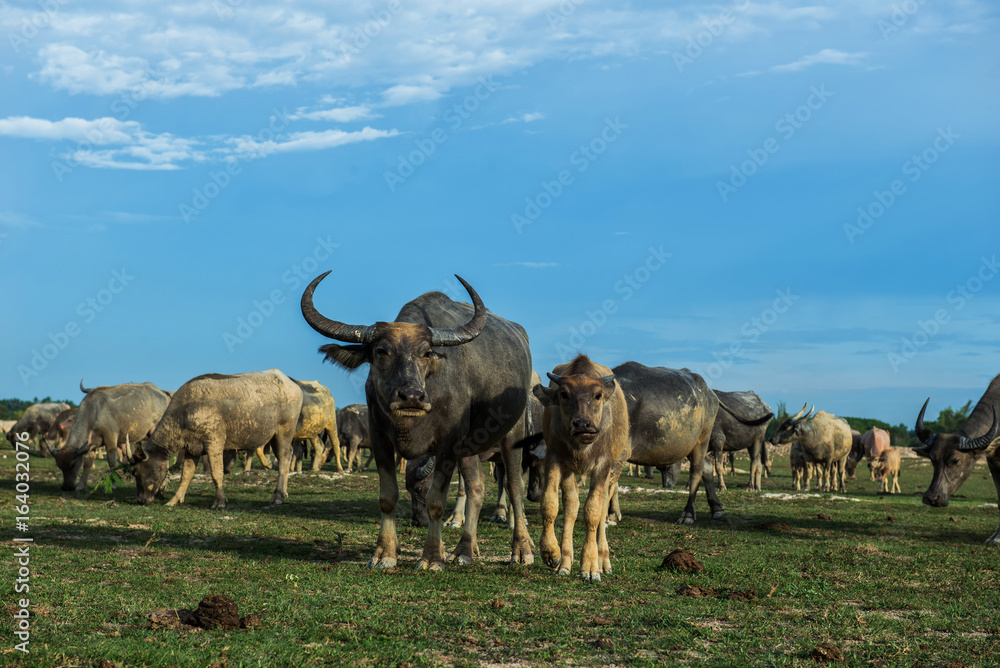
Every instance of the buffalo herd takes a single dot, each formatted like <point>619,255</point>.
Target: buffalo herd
<point>450,385</point>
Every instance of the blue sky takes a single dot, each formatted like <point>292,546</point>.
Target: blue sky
<point>796,199</point>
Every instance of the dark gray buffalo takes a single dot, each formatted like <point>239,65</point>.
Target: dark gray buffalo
<point>352,430</point>
<point>112,416</point>
<point>671,416</point>
<point>36,421</point>
<point>445,379</point>
<point>953,455</point>
<point>214,413</point>
<point>740,424</point>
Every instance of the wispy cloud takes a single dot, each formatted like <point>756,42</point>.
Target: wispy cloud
<point>524,118</point>
<point>826,56</point>
<point>17,220</point>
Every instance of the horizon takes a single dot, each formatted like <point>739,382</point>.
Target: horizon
<point>785,198</point>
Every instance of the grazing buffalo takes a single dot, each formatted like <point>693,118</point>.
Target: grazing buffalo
<point>352,431</point>
<point>59,431</point>
<point>214,413</point>
<point>586,430</point>
<point>446,379</point>
<point>112,416</point>
<point>875,441</point>
<point>733,432</point>
<point>855,455</point>
<point>319,413</point>
<point>671,416</point>
<point>36,421</point>
<point>825,440</point>
<point>886,466</point>
<point>953,455</point>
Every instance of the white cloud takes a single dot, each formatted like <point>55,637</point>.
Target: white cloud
<point>338,114</point>
<point>402,94</point>
<point>826,56</point>
<point>17,220</point>
<point>525,118</point>
<point>309,141</point>
<point>99,131</point>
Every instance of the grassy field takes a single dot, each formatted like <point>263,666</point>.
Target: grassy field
<point>887,580</point>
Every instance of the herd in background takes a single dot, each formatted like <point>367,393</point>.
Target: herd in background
<point>450,386</point>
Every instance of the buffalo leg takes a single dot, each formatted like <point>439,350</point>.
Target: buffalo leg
<point>500,514</point>
<point>457,518</point>
<point>298,454</point>
<point>437,496</point>
<point>571,507</point>
<point>187,472</point>
<point>281,444</point>
<point>596,554</point>
<point>521,544</point>
<point>218,473</point>
<point>468,547</point>
<point>386,545</point>
<point>756,466</point>
<point>549,507</point>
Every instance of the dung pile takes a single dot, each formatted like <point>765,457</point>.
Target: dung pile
<point>215,611</point>
<point>682,560</point>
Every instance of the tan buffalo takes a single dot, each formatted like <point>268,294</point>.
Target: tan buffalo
<point>319,413</point>
<point>586,429</point>
<point>802,468</point>
<point>875,441</point>
<point>825,440</point>
<point>887,465</point>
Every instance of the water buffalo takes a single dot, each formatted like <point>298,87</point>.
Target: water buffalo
<point>586,430</point>
<point>352,431</point>
<point>319,413</point>
<point>671,416</point>
<point>953,455</point>
<point>214,413</point>
<point>825,440</point>
<point>36,421</point>
<point>856,455</point>
<point>875,441</point>
<point>448,379</point>
<point>802,468</point>
<point>112,416</point>
<point>886,466</point>
<point>740,425</point>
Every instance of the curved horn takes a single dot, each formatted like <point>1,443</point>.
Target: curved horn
<point>980,443</point>
<point>799,414</point>
<point>797,419</point>
<point>554,378</point>
<point>85,390</point>
<point>459,335</point>
<point>331,328</point>
<point>52,450</point>
<point>920,418</point>
<point>426,469</point>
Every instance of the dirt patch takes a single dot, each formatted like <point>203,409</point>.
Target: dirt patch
<point>826,653</point>
<point>694,591</point>
<point>742,596</point>
<point>215,611</point>
<point>682,560</point>
<point>777,526</point>
<point>823,516</point>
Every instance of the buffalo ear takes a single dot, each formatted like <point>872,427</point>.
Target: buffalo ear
<point>545,395</point>
<point>140,455</point>
<point>349,357</point>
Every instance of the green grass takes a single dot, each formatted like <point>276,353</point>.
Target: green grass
<point>920,590</point>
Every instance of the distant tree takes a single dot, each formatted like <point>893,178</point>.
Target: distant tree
<point>949,420</point>
<point>780,415</point>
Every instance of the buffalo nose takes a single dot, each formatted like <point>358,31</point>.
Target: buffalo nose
<point>934,500</point>
<point>411,396</point>
<point>581,424</point>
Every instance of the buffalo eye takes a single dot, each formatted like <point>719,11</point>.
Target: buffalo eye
<point>429,355</point>
<point>598,396</point>
<point>954,461</point>
<point>564,395</point>
<point>381,352</point>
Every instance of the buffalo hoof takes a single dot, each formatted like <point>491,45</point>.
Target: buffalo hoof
<point>685,519</point>
<point>717,515</point>
<point>454,522</point>
<point>463,560</point>
<point>499,519</point>
<point>425,565</point>
<point>590,577</point>
<point>276,501</point>
<point>522,557</point>
<point>562,571</point>
<point>994,539</point>
<point>384,562</point>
